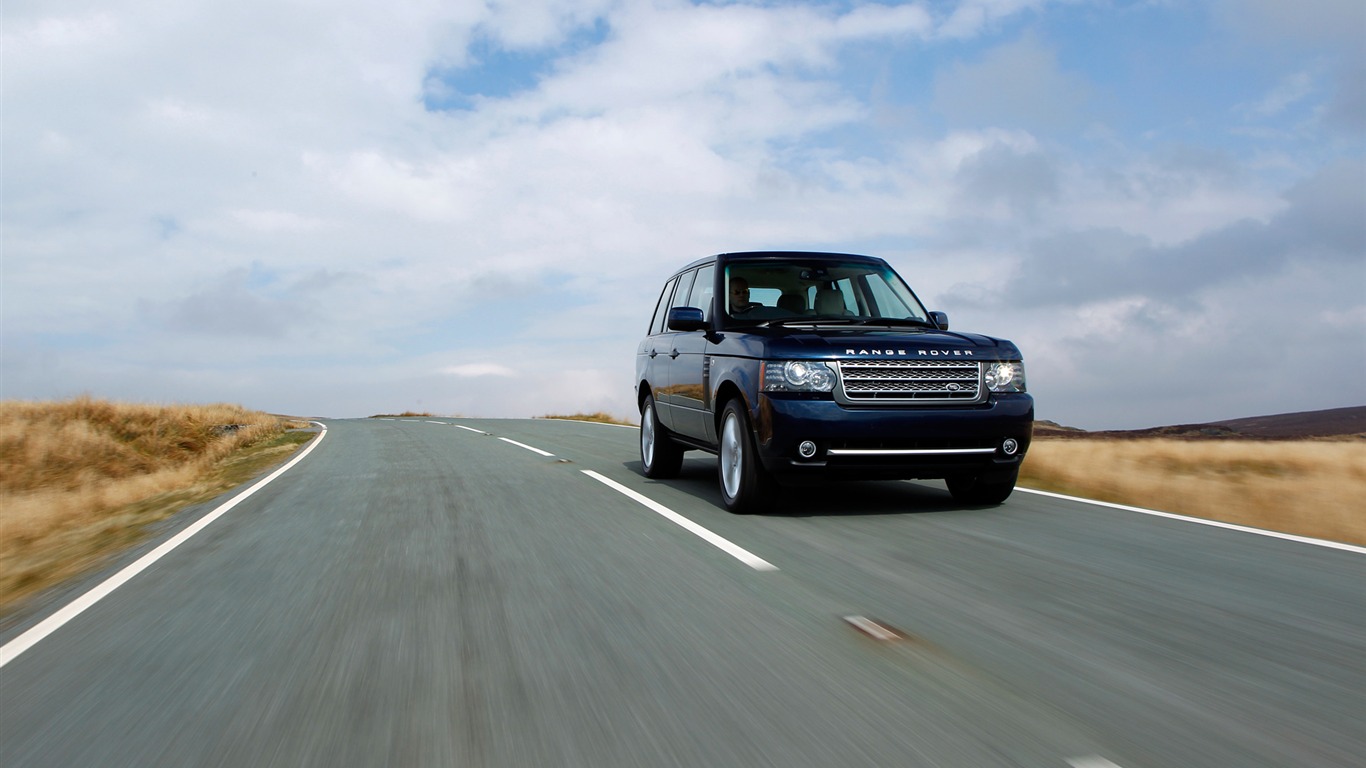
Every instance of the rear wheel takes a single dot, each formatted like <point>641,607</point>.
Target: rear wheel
<point>982,489</point>
<point>745,485</point>
<point>661,456</point>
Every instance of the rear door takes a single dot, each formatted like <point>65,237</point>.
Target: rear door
<point>665,361</point>
<point>654,366</point>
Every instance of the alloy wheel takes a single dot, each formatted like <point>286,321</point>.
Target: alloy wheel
<point>732,455</point>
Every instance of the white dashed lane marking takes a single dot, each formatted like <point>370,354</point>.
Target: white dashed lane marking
<point>528,447</point>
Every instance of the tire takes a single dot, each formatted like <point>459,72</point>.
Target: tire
<point>661,457</point>
<point>746,487</point>
<point>975,490</point>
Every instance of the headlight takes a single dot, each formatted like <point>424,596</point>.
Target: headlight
<point>1005,377</point>
<point>798,376</point>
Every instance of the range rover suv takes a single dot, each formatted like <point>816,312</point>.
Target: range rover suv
<point>793,366</point>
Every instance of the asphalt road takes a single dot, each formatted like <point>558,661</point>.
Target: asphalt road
<point>416,593</point>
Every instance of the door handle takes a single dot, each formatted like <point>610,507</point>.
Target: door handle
<point>674,354</point>
<point>653,353</point>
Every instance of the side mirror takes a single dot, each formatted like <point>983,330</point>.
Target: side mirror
<point>940,319</point>
<point>686,319</point>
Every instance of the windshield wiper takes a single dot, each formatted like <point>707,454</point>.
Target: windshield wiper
<point>896,321</point>
<point>891,322</point>
<point>785,321</point>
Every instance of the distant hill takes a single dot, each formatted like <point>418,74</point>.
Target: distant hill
<point>1332,423</point>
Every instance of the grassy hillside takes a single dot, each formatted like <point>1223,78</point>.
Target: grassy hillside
<point>599,417</point>
<point>1308,488</point>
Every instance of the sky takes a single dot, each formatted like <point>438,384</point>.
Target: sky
<point>468,207</point>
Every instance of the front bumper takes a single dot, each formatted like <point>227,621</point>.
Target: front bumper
<point>892,442</point>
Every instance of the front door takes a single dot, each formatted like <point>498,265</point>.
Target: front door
<point>688,373</point>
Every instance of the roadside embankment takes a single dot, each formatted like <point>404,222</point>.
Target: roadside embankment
<point>1304,487</point>
<point>84,478</point>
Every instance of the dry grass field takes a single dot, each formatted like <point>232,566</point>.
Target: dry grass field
<point>1305,487</point>
<point>81,479</point>
<point>600,417</point>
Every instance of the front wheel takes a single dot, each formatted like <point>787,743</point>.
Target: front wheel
<point>661,457</point>
<point>973,489</point>
<point>745,485</point>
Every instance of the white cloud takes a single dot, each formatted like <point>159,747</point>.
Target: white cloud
<point>476,370</point>
<point>275,221</point>
<point>1291,89</point>
<point>971,18</point>
<point>522,25</point>
<point>29,36</point>
<point>872,21</point>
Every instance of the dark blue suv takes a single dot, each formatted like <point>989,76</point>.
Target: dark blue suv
<point>794,365</point>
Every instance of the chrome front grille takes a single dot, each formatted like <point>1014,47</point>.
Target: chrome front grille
<point>919,380</point>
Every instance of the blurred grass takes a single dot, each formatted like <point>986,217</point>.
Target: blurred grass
<point>82,479</point>
<point>1307,487</point>
<point>599,417</point>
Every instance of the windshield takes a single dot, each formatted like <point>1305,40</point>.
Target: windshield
<point>795,291</point>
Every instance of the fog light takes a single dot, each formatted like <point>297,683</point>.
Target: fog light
<point>1010,446</point>
<point>807,449</point>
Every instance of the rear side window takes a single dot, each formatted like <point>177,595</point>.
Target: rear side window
<point>702,289</point>
<point>657,322</point>
<point>684,285</point>
<point>766,296</point>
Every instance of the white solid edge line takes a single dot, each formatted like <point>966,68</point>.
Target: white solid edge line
<point>524,445</point>
<point>739,553</point>
<point>42,629</point>
<point>1202,521</point>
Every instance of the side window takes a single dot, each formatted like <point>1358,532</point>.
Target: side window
<point>684,286</point>
<point>678,289</point>
<point>702,290</point>
<point>657,323</point>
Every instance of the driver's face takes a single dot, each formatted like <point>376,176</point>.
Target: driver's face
<point>739,293</point>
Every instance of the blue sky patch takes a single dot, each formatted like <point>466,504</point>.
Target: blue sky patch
<point>493,74</point>
<point>498,72</point>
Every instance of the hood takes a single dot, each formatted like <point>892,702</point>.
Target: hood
<point>898,344</point>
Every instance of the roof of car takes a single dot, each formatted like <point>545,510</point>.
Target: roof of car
<point>789,254</point>
<point>760,255</point>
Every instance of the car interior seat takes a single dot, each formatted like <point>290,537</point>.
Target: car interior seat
<point>829,301</point>
<point>792,302</point>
